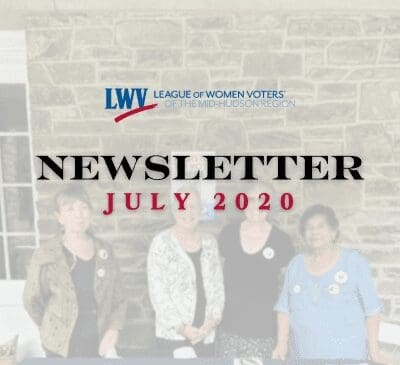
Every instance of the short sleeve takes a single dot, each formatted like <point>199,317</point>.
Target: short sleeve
<point>366,288</point>
<point>282,305</point>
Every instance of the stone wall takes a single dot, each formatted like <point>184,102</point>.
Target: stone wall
<point>341,67</point>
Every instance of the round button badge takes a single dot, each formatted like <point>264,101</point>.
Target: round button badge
<point>341,277</point>
<point>101,273</point>
<point>268,253</point>
<point>103,254</point>
<point>334,289</point>
<point>297,289</point>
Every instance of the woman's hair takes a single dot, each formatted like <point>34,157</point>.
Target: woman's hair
<point>327,212</point>
<point>70,194</point>
<point>261,185</point>
<point>187,188</point>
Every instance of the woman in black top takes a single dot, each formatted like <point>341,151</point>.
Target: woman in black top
<point>255,251</point>
<point>84,340</point>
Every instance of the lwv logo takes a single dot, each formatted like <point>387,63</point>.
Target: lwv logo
<point>123,98</point>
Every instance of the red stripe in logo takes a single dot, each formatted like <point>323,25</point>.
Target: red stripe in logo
<point>127,114</point>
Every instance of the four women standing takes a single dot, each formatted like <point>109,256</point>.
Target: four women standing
<point>328,307</point>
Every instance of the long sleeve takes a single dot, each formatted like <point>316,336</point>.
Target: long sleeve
<point>217,283</point>
<point>157,273</point>
<point>119,302</point>
<point>32,297</point>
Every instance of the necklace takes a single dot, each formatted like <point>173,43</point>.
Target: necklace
<point>74,261</point>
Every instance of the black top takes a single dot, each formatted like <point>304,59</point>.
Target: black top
<point>252,282</point>
<point>84,340</point>
<point>200,312</point>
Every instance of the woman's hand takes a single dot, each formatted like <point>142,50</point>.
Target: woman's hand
<point>191,333</point>
<point>379,358</point>
<point>204,330</point>
<point>108,342</point>
<point>375,353</point>
<point>208,326</point>
<point>281,349</point>
<point>280,352</point>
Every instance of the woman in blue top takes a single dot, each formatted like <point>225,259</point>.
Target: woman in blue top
<point>328,302</point>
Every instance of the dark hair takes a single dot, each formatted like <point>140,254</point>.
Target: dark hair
<point>327,212</point>
<point>71,193</point>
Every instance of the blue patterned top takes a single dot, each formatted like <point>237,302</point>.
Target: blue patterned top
<point>327,312</point>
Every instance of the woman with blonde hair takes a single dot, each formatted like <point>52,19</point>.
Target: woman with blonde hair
<point>185,284</point>
<point>255,251</point>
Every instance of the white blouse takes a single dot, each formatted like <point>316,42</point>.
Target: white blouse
<point>172,284</point>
